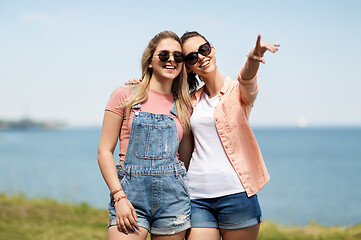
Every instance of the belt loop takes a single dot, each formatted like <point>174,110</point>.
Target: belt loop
<point>127,173</point>
<point>176,172</point>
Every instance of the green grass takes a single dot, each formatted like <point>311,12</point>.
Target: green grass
<point>46,219</point>
<point>314,231</point>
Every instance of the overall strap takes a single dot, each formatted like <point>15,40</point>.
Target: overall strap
<point>136,106</point>
<point>173,110</point>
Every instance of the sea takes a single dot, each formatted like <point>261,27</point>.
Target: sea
<point>315,171</point>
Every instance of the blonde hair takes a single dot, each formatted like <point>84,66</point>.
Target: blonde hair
<point>180,88</point>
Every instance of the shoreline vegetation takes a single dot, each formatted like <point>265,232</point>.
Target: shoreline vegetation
<point>26,123</point>
<point>47,219</point>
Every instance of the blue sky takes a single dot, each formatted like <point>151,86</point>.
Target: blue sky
<point>61,60</point>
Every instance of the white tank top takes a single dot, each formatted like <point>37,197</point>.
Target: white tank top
<point>210,173</point>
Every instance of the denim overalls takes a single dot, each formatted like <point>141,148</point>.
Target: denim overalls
<point>152,176</point>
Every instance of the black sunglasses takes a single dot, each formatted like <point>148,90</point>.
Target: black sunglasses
<point>192,58</point>
<point>164,56</point>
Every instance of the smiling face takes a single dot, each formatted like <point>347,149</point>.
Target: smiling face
<point>205,64</point>
<point>169,69</point>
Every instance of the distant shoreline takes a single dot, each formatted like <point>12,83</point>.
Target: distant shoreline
<point>25,123</point>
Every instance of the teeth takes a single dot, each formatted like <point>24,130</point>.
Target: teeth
<point>205,63</point>
<point>170,67</point>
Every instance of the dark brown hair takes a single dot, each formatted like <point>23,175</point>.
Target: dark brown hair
<point>193,79</point>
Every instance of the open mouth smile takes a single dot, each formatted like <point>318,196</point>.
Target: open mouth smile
<point>205,64</point>
<point>169,67</point>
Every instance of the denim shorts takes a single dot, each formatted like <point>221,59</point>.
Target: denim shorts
<point>160,198</point>
<point>228,212</point>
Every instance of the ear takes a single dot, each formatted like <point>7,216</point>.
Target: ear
<point>150,65</point>
<point>213,49</point>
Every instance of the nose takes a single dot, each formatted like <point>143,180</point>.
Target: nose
<point>200,57</point>
<point>171,58</point>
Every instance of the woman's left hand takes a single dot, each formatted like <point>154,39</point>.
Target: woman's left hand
<point>134,81</point>
<point>256,54</point>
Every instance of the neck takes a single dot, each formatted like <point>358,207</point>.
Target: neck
<point>163,86</point>
<point>213,83</point>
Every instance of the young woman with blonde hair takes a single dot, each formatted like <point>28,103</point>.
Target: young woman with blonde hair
<point>148,194</point>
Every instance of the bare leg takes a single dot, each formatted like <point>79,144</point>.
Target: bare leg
<point>248,233</point>
<point>177,236</point>
<point>115,234</point>
<point>203,233</point>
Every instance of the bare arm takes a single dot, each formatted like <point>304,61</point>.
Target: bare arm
<point>107,143</point>
<point>250,68</point>
<point>185,149</point>
<point>246,77</point>
<point>126,215</point>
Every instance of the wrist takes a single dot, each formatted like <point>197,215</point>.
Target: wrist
<point>120,197</point>
<point>117,194</point>
<point>116,191</point>
<point>254,56</point>
<point>251,58</point>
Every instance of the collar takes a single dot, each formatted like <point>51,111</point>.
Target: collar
<point>226,85</point>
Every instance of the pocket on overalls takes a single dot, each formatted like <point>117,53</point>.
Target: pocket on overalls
<point>153,141</point>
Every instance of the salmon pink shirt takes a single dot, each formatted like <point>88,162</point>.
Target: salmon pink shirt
<point>231,117</point>
<point>157,103</point>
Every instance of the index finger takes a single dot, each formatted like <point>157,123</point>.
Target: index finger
<point>134,219</point>
<point>258,43</point>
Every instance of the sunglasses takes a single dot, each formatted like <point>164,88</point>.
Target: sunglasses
<point>192,58</point>
<point>164,56</point>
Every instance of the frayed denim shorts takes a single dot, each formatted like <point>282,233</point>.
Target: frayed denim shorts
<point>227,212</point>
<point>159,196</point>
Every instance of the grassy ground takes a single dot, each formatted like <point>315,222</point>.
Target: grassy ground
<point>44,219</point>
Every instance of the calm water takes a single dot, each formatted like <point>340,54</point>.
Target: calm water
<point>315,172</point>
